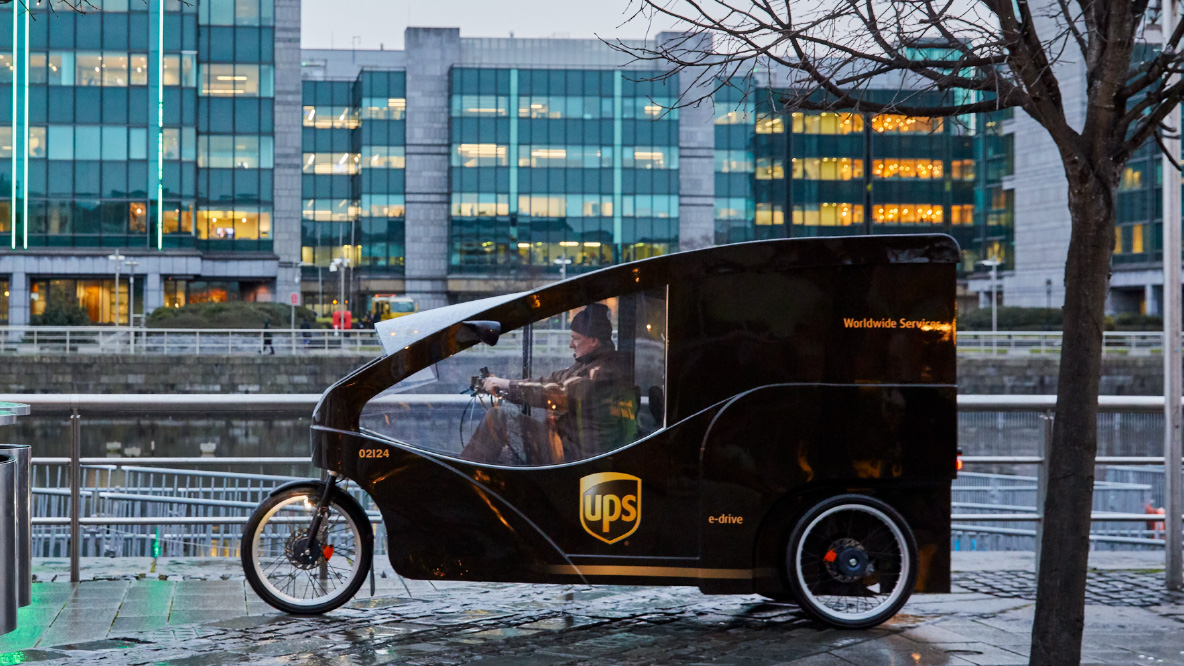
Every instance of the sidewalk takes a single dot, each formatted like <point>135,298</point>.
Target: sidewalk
<point>200,613</point>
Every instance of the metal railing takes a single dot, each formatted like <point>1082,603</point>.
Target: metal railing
<point>1029,343</point>
<point>181,341</point>
<point>76,406</point>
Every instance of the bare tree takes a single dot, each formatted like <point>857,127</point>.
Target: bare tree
<point>954,57</point>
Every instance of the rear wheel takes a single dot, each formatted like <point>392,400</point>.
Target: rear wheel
<point>294,578</point>
<point>851,561</point>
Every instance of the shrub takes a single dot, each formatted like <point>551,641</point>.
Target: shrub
<point>1012,319</point>
<point>229,315</point>
<point>62,314</point>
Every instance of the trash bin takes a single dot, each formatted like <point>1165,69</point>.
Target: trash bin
<point>8,564</point>
<point>16,574</point>
<point>24,519</point>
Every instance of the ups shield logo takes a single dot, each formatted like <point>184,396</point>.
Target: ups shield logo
<point>610,505</point>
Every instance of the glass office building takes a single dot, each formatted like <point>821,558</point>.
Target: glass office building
<point>223,167</point>
<point>352,166</point>
<point>142,127</point>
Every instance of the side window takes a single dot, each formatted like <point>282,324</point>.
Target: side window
<point>564,388</point>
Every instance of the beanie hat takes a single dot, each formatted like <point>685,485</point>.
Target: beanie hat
<point>593,322</point>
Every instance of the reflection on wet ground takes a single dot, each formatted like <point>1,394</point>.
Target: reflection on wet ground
<point>196,618</point>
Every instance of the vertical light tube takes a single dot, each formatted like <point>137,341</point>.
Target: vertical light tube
<point>617,158</point>
<point>12,201</point>
<point>25,141</point>
<point>513,111</point>
<point>160,127</point>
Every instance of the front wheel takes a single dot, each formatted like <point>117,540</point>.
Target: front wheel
<point>288,575</point>
<point>851,561</point>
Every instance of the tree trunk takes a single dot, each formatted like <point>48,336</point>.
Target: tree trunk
<point>1064,553</point>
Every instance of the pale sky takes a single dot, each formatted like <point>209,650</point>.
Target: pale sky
<point>366,24</point>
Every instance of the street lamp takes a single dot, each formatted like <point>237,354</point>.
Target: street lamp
<point>563,262</point>
<point>131,301</point>
<point>118,259</point>
<point>993,264</point>
<point>338,266</point>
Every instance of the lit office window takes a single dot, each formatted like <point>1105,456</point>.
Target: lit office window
<point>907,168</point>
<point>827,123</point>
<point>911,213</point>
<point>828,215</point>
<point>383,108</point>
<point>827,168</point>
<point>237,80</point>
<point>891,123</point>
<point>479,154</point>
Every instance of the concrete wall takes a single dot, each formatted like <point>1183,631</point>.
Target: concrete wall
<point>174,374</point>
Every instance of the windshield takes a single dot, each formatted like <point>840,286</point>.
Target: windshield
<point>396,334</point>
<point>403,306</point>
<point>568,387</point>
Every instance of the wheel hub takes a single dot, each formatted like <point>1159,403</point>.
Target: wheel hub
<point>847,561</point>
<point>298,552</point>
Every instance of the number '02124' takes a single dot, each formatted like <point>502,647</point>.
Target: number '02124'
<point>374,453</point>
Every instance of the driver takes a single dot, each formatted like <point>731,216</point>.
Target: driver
<point>590,407</point>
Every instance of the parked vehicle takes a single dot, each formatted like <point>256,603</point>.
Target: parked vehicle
<point>775,417</point>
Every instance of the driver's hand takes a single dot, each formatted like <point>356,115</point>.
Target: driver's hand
<point>495,385</point>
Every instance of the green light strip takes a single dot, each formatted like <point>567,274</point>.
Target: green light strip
<point>25,144</point>
<point>513,110</point>
<point>12,201</point>
<point>617,163</point>
<point>160,130</point>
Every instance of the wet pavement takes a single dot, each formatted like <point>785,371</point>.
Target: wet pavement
<point>201,613</point>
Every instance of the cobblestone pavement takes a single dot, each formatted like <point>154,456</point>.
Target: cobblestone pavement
<point>1106,588</point>
<point>195,618</point>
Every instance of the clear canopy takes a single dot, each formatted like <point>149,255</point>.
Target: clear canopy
<point>402,331</point>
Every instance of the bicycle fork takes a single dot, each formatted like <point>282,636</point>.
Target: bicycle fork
<point>319,516</point>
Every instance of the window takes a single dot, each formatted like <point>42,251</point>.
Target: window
<point>891,123</point>
<point>733,161</point>
<point>237,80</point>
<point>554,411</point>
<point>769,168</point>
<point>910,213</point>
<point>383,108</point>
<point>828,215</point>
<point>732,116</point>
<point>479,154</point>
<point>332,163</point>
<point>769,124</point>
<point>650,157</point>
<point>326,117</point>
<point>769,214</point>
<point>383,157</point>
<point>480,106</point>
<point>827,123</point>
<point>179,70</point>
<point>234,224</point>
<point>962,170</point>
<point>896,168</point>
<point>962,214</point>
<point>88,69</point>
<point>238,152</point>
<point>827,168</point>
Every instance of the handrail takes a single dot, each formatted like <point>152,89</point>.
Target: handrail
<point>124,404</point>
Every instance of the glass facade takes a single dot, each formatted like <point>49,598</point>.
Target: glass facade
<point>352,183</point>
<point>801,174</point>
<point>140,125</point>
<point>557,169</point>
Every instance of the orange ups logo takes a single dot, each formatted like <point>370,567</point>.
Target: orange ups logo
<point>610,505</point>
